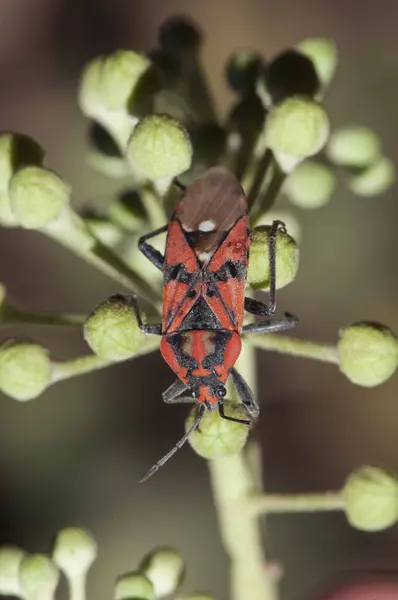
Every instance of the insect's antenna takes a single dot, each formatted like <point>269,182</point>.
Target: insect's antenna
<point>178,445</point>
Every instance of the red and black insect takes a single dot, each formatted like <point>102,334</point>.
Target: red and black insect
<point>204,270</point>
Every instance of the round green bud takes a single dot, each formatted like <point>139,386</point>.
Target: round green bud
<point>165,568</point>
<point>38,577</point>
<point>37,196</point>
<point>323,53</point>
<point>374,180</point>
<point>310,185</point>
<point>135,585</point>
<point>112,330</point>
<point>17,150</point>
<point>290,74</point>
<point>199,596</point>
<point>25,369</point>
<point>371,499</point>
<point>354,146</point>
<point>218,437</point>
<point>89,94</point>
<point>10,562</point>
<point>7,217</point>
<point>368,353</point>
<point>74,551</point>
<point>180,36</point>
<point>121,73</point>
<point>242,70</point>
<point>297,127</point>
<point>287,259</point>
<point>159,147</point>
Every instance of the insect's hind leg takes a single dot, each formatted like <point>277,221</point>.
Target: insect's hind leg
<point>271,325</point>
<point>149,251</point>
<point>154,328</point>
<point>245,394</point>
<point>234,419</point>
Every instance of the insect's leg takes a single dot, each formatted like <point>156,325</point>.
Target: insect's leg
<point>171,395</point>
<point>275,227</point>
<point>154,328</point>
<point>149,251</point>
<point>227,418</point>
<point>245,394</point>
<point>178,445</point>
<point>271,325</point>
<point>180,185</point>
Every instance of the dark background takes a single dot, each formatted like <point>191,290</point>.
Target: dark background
<point>74,455</point>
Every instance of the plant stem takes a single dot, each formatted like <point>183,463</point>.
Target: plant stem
<point>294,347</point>
<point>77,587</point>
<point>71,231</point>
<point>290,503</point>
<point>92,362</point>
<point>12,315</point>
<point>233,483</point>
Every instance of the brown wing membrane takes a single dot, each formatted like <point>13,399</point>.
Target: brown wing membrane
<point>210,207</point>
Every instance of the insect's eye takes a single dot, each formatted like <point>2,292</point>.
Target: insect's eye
<point>220,392</point>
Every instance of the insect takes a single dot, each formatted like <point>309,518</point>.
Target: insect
<point>204,272</point>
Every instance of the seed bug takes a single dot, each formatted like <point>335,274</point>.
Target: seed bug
<point>204,272</point>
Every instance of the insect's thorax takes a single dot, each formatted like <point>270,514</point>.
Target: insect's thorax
<point>204,281</point>
<point>202,359</point>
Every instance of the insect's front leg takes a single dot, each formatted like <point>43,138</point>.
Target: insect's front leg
<point>172,394</point>
<point>154,328</point>
<point>245,394</point>
<point>275,227</point>
<point>149,251</point>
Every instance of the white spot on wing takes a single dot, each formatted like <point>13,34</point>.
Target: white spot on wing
<point>186,228</point>
<point>207,226</point>
<point>204,256</point>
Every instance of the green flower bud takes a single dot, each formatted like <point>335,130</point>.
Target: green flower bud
<point>180,36</point>
<point>89,94</point>
<point>310,185</point>
<point>368,353</point>
<point>7,217</point>
<point>112,330</point>
<point>37,196</point>
<point>165,568</point>
<point>199,596</point>
<point>159,148</point>
<point>290,74</point>
<point>295,129</point>
<point>371,499</point>
<point>376,179</point>
<point>17,150</point>
<point>216,436</point>
<point>74,551</point>
<point>135,585</point>
<point>25,369</point>
<point>10,561</point>
<point>354,146</point>
<point>38,577</point>
<point>323,53</point>
<point>121,75</point>
<point>287,258</point>
<point>243,69</point>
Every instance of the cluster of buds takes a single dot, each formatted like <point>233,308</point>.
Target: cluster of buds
<point>36,576</point>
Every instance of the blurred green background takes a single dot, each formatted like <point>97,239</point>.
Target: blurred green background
<point>74,456</point>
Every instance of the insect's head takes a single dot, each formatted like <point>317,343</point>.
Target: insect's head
<point>209,390</point>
